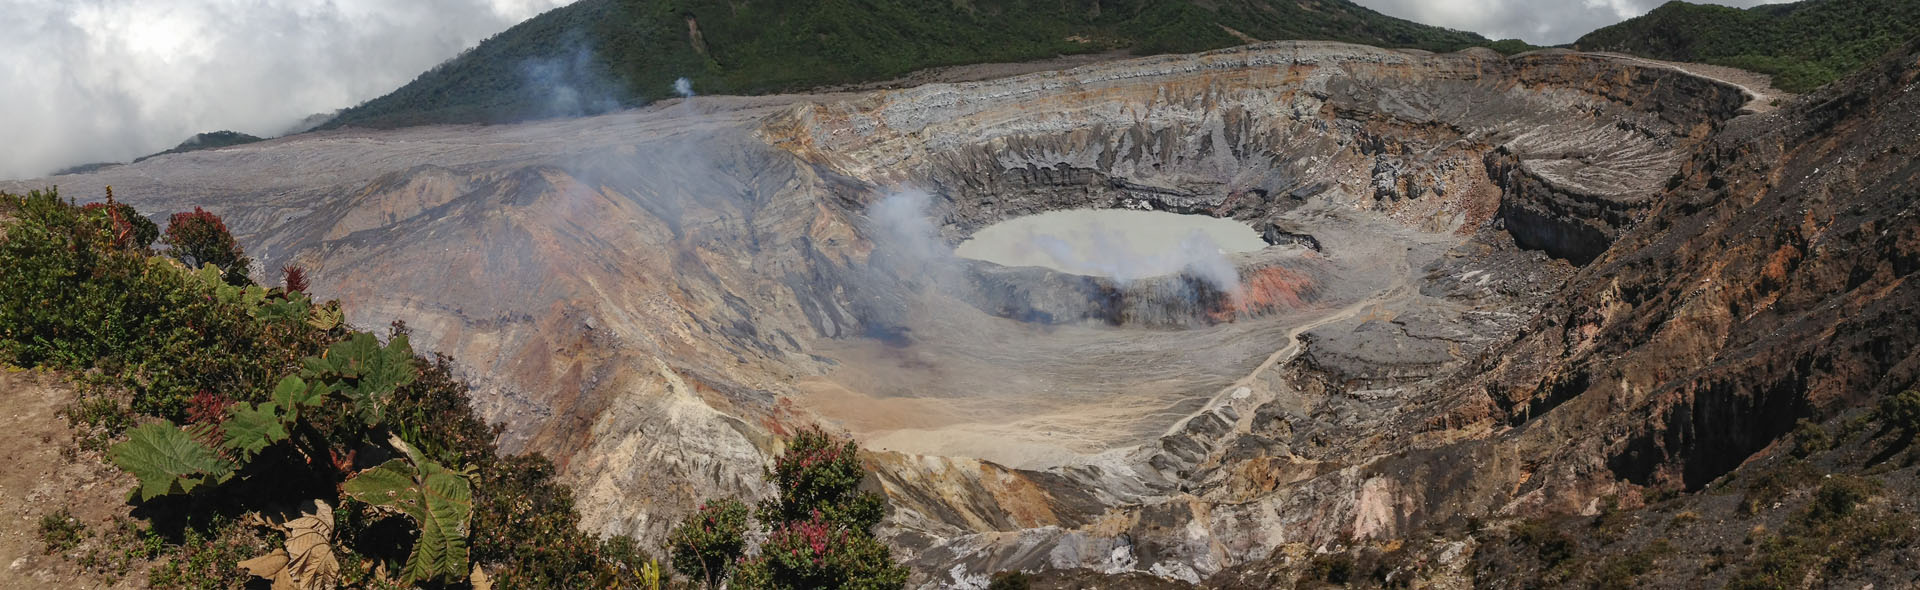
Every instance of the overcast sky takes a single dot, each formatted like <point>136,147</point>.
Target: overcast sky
<point>1541,22</point>
<point>108,80</point>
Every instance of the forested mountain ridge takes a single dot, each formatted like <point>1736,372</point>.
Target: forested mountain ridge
<point>598,55</point>
<point>1803,45</point>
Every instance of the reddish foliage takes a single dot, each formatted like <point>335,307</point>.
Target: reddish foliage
<point>208,411</point>
<point>200,237</point>
<point>296,278</point>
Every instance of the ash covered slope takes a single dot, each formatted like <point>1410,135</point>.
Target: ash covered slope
<point>626,52</point>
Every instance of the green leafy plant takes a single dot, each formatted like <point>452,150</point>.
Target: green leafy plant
<point>61,532</point>
<point>250,428</point>
<point>438,500</point>
<point>708,544</point>
<point>364,372</point>
<point>168,460</point>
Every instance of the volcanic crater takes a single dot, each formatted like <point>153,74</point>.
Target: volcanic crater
<point>653,297</point>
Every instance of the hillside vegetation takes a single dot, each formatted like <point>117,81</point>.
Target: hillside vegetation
<point>596,55</point>
<point>269,439</point>
<point>1803,45</point>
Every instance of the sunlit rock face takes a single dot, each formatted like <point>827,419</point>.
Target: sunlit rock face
<point>656,297</point>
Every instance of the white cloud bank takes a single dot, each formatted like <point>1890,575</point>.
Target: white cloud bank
<point>109,80</point>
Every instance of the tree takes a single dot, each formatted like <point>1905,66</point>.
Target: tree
<point>820,528</point>
<point>200,238</point>
<point>710,542</point>
<point>821,475</point>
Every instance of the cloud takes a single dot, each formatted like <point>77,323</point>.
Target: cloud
<point>1543,22</point>
<point>109,80</point>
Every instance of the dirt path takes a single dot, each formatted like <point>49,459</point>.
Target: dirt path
<point>1759,87</point>
<point>1237,394</point>
<point>39,477</point>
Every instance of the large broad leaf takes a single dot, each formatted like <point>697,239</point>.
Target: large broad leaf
<point>168,460</point>
<point>293,308</point>
<point>440,502</point>
<point>325,317</point>
<point>250,428</point>
<point>363,371</point>
<point>294,394</point>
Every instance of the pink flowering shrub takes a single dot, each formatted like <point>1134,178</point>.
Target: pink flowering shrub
<point>708,545</point>
<point>818,553</point>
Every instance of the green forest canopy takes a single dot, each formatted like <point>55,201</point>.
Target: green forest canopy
<point>1803,45</point>
<point>613,53</point>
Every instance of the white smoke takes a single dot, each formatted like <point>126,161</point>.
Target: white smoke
<point>571,85</point>
<point>902,228</point>
<point>904,231</point>
<point>683,87</point>
<point>1109,252</point>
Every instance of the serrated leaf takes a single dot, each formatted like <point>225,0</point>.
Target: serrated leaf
<point>167,460</point>
<point>442,547</point>
<point>294,307</point>
<point>389,487</point>
<point>325,317</point>
<point>251,428</point>
<point>440,502</point>
<point>294,394</point>
<point>364,372</point>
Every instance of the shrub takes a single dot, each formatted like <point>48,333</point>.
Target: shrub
<point>208,562</point>
<point>1552,546</point>
<point>120,546</point>
<point>708,544</point>
<point>1809,438</point>
<point>820,474</point>
<point>70,299</point>
<point>1901,412</point>
<point>820,553</point>
<point>1837,498</point>
<point>820,527</point>
<point>199,238</point>
<point>130,228</point>
<point>1331,568</point>
<point>1010,580</point>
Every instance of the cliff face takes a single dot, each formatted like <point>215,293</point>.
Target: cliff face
<point>656,297</point>
<point>1768,283</point>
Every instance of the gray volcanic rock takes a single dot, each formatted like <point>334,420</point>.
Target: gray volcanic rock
<point>657,297</point>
